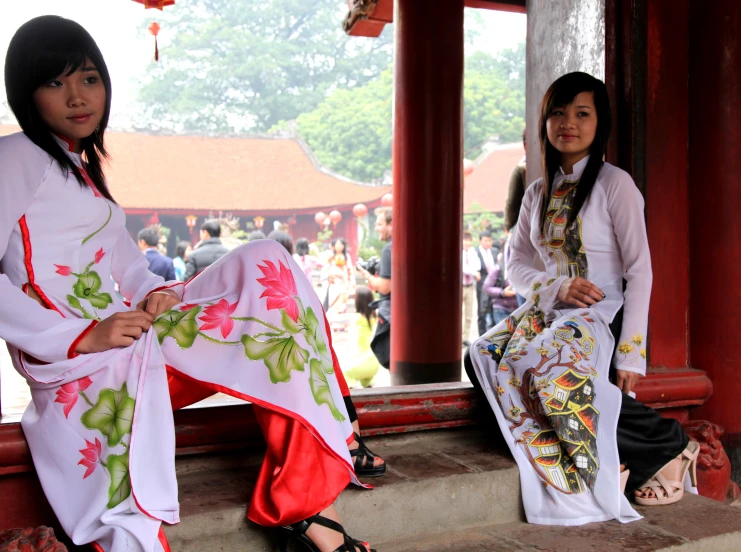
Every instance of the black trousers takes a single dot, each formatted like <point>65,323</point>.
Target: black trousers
<point>646,440</point>
<point>484,306</point>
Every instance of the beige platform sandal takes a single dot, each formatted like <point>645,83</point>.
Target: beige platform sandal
<point>624,480</point>
<point>669,491</point>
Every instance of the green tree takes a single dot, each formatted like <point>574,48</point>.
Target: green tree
<point>232,65</point>
<point>350,131</point>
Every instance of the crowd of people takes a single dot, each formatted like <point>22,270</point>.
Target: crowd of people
<point>558,371</point>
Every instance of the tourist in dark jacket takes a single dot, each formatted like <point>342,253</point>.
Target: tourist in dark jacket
<point>159,264</point>
<point>207,252</point>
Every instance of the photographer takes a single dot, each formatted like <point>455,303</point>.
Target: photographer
<point>381,344</point>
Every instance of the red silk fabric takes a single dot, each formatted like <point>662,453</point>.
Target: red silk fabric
<point>298,477</point>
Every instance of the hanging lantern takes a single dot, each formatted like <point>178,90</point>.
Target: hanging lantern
<point>190,221</point>
<point>319,218</point>
<point>335,217</point>
<point>259,222</point>
<point>360,210</point>
<point>154,28</point>
<point>155,4</point>
<point>467,167</point>
<point>387,200</point>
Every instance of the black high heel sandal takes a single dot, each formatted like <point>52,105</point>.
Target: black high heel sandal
<point>297,532</point>
<point>364,460</point>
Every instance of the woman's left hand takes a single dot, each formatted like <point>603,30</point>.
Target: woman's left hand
<point>626,381</point>
<point>159,302</point>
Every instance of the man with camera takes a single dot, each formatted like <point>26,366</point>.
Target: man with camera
<point>381,282</point>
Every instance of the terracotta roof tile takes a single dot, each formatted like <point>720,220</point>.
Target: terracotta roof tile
<point>228,174</point>
<point>488,184</point>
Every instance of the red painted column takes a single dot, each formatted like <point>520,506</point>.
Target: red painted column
<point>666,180</point>
<point>715,200</point>
<point>427,169</point>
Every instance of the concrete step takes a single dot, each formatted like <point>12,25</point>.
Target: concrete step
<point>437,481</point>
<point>695,524</point>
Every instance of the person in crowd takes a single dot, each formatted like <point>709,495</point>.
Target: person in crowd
<point>364,365</point>
<point>471,276</point>
<point>487,261</point>
<point>557,375</point>
<point>305,259</point>
<point>338,294</point>
<point>106,372</point>
<point>381,283</point>
<point>207,251</point>
<point>282,238</point>
<point>340,258</point>
<point>181,255</point>
<point>502,296</point>
<point>255,235</point>
<point>159,264</point>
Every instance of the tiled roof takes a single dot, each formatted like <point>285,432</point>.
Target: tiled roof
<point>488,184</point>
<point>227,174</point>
<point>570,380</point>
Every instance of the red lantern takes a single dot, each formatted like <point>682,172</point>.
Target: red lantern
<point>360,210</point>
<point>467,167</point>
<point>259,222</point>
<point>335,217</point>
<point>154,28</point>
<point>387,200</point>
<point>155,4</point>
<point>319,218</point>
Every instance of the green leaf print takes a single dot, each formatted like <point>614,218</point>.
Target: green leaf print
<point>100,300</point>
<point>120,489</point>
<point>281,355</point>
<point>320,389</point>
<point>315,339</point>
<point>288,324</point>
<point>112,415</point>
<point>74,302</point>
<point>180,325</point>
<point>87,285</point>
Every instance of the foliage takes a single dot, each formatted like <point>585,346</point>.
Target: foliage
<point>232,65</point>
<point>479,219</point>
<point>351,131</point>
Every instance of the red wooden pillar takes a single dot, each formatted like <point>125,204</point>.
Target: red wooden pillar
<point>427,219</point>
<point>715,203</point>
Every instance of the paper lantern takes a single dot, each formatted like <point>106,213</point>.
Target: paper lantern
<point>335,217</point>
<point>319,218</point>
<point>154,28</point>
<point>259,222</point>
<point>467,167</point>
<point>155,4</point>
<point>387,200</point>
<point>360,210</point>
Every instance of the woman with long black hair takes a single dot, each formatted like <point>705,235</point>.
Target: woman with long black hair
<point>578,437</point>
<point>106,373</point>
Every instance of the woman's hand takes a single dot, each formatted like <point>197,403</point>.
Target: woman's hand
<point>626,381</point>
<point>159,302</point>
<point>579,292</point>
<point>118,330</point>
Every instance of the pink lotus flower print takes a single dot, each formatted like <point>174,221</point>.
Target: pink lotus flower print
<point>219,316</point>
<point>67,394</point>
<point>63,270</point>
<point>99,255</point>
<point>90,457</point>
<point>280,288</point>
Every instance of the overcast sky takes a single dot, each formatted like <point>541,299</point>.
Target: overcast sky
<point>120,29</point>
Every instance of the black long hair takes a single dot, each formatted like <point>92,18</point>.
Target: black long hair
<point>344,247</point>
<point>363,300</point>
<point>562,93</point>
<point>41,50</point>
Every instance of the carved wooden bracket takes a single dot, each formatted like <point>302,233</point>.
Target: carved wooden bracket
<point>360,9</point>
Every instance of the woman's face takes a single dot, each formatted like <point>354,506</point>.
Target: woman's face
<point>73,105</point>
<point>338,247</point>
<point>571,129</point>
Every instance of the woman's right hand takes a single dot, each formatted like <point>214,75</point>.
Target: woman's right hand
<point>118,330</point>
<point>579,292</point>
